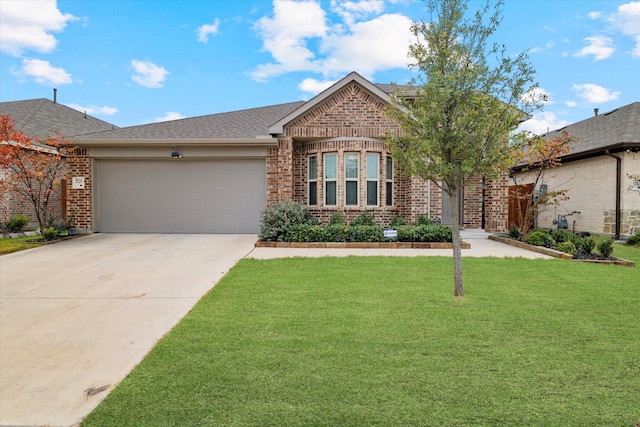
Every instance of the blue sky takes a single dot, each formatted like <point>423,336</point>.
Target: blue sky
<point>136,62</point>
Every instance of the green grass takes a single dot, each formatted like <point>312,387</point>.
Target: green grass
<point>8,246</point>
<point>382,342</point>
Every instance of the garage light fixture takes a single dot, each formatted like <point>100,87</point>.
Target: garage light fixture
<point>175,154</point>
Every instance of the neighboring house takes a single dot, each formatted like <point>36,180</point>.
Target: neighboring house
<point>603,198</point>
<point>42,118</point>
<point>216,173</point>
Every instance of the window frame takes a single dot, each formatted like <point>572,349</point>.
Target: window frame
<point>348,179</point>
<point>372,179</point>
<point>389,180</point>
<point>312,179</point>
<point>333,180</point>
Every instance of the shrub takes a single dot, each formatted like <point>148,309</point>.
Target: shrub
<point>567,247</point>
<point>60,225</point>
<point>366,233</point>
<point>365,218</point>
<point>539,238</point>
<point>337,219</point>
<point>514,232</point>
<point>423,219</point>
<point>561,235</point>
<point>424,233</point>
<point>49,233</point>
<point>397,221</point>
<point>276,220</point>
<point>634,240</point>
<point>605,247</point>
<point>585,244</point>
<point>16,223</point>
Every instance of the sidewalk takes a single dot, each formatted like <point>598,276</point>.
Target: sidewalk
<point>481,246</point>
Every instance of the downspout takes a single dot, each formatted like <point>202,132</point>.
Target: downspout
<point>618,184</point>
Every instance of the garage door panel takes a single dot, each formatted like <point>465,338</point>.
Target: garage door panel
<point>212,196</point>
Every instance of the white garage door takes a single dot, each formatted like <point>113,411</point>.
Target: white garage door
<point>180,196</point>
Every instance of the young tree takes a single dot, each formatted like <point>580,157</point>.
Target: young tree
<point>469,94</point>
<point>537,155</point>
<point>33,167</point>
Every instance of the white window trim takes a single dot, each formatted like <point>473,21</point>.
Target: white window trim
<point>376,179</point>
<point>356,179</point>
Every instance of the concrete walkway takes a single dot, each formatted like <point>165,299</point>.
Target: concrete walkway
<point>77,316</point>
<point>481,246</point>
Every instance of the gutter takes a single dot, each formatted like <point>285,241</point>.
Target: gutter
<point>618,184</point>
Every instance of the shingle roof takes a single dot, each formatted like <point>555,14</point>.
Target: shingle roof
<point>42,118</point>
<point>616,130</point>
<point>236,124</point>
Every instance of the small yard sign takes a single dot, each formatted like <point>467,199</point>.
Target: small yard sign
<point>390,233</point>
<point>77,182</point>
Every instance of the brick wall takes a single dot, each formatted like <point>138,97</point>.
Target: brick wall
<point>79,201</point>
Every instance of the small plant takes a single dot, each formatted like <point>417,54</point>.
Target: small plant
<point>634,240</point>
<point>423,219</point>
<point>568,248</point>
<point>561,235</point>
<point>277,218</point>
<point>605,247</point>
<point>365,218</point>
<point>514,232</point>
<point>49,233</point>
<point>539,238</point>
<point>397,221</point>
<point>586,244</point>
<point>16,223</point>
<point>337,218</point>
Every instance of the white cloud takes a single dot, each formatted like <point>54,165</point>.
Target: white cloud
<point>28,24</point>
<point>170,115</point>
<point>208,29</point>
<point>547,46</point>
<point>600,47</point>
<point>43,72</point>
<point>314,86</point>
<point>594,94</point>
<point>627,21</point>
<point>595,15</point>
<point>148,74</point>
<point>571,103</point>
<point>300,37</point>
<point>285,37</point>
<point>542,123</point>
<point>94,110</point>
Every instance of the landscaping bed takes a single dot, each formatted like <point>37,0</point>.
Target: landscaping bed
<point>362,245</point>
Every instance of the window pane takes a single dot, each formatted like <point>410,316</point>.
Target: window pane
<point>330,193</point>
<point>351,165</point>
<point>330,166</point>
<point>372,193</point>
<point>389,194</point>
<point>351,193</point>
<point>313,167</point>
<point>389,167</point>
<point>372,165</point>
<point>313,193</point>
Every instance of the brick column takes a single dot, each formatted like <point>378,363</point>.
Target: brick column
<point>79,201</point>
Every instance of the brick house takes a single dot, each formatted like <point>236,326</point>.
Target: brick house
<point>603,198</point>
<point>215,173</point>
<point>42,118</point>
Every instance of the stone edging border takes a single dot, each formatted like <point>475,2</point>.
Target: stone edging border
<point>360,245</point>
<point>557,254</point>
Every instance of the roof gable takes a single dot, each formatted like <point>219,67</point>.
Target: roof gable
<point>43,118</point>
<point>308,111</point>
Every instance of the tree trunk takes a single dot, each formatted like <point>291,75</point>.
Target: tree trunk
<point>457,252</point>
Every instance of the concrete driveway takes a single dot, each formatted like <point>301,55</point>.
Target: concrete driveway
<point>77,316</point>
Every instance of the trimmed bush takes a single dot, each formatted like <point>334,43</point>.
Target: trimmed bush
<point>585,244</point>
<point>49,233</point>
<point>337,219</point>
<point>634,240</point>
<point>567,247</point>
<point>561,236</point>
<point>423,219</point>
<point>365,218</point>
<point>16,223</point>
<point>397,221</point>
<point>514,232</point>
<point>539,238</point>
<point>605,247</point>
<point>424,233</point>
<point>276,220</point>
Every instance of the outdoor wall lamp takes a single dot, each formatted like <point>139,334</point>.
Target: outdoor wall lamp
<point>175,154</point>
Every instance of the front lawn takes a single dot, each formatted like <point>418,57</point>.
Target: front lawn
<point>381,341</point>
<point>8,246</point>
